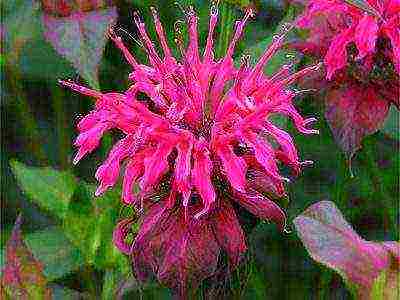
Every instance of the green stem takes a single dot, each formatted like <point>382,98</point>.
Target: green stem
<point>227,20</point>
<point>341,182</point>
<point>62,126</point>
<point>110,284</point>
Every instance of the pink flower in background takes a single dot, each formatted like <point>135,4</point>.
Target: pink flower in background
<point>359,42</point>
<point>372,25</point>
<point>198,144</point>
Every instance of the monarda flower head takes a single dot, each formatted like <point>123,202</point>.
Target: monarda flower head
<point>373,26</point>
<point>199,143</point>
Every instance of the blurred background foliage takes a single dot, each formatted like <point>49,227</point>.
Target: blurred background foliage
<point>70,231</point>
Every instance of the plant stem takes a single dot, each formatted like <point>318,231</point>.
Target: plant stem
<point>227,20</point>
<point>63,136</point>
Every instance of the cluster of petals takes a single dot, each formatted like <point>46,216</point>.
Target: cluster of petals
<point>335,24</point>
<point>203,130</point>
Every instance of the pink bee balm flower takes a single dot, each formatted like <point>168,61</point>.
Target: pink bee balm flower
<point>201,141</point>
<point>334,24</point>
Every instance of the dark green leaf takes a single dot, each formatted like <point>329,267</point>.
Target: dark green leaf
<point>392,123</point>
<point>55,251</point>
<point>50,189</point>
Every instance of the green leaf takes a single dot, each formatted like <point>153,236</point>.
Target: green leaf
<point>89,224</point>
<point>50,189</point>
<point>55,251</point>
<point>81,38</point>
<point>80,223</point>
<point>391,125</point>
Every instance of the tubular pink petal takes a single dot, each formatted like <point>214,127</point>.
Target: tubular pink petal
<point>192,52</point>
<point>234,166</point>
<point>208,51</point>
<point>286,143</point>
<point>108,172</point>
<point>160,33</point>
<point>265,155</point>
<point>258,68</point>
<point>299,122</point>
<point>133,170</point>
<point>366,34</point>
<point>89,121</point>
<point>270,88</point>
<point>201,174</point>
<point>336,57</point>
<point>118,42</point>
<point>182,168</point>
<point>240,75</point>
<point>238,32</point>
<point>151,51</point>
<point>89,140</point>
<point>81,89</point>
<point>156,165</point>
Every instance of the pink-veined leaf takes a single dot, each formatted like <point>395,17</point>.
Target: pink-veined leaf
<point>330,240</point>
<point>22,276</point>
<point>81,38</point>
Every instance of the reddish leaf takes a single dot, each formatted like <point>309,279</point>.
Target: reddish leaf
<point>352,114</point>
<point>330,240</point>
<point>22,275</point>
<point>81,38</point>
